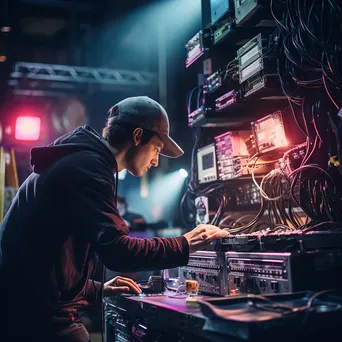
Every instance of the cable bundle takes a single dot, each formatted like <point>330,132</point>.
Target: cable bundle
<point>276,203</point>
<point>310,71</point>
<point>309,49</point>
<point>215,191</point>
<point>275,188</point>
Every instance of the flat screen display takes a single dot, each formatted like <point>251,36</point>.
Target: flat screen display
<point>208,161</point>
<point>218,8</point>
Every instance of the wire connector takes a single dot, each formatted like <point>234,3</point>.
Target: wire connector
<point>334,161</point>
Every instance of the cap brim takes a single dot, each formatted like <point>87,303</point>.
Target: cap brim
<point>171,149</point>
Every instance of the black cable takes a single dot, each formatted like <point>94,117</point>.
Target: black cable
<point>310,37</point>
<point>102,308</point>
<point>311,301</point>
<point>233,230</point>
<point>164,282</point>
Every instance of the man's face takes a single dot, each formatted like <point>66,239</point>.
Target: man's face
<point>142,157</point>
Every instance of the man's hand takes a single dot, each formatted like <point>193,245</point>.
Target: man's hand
<point>203,235</point>
<point>120,285</point>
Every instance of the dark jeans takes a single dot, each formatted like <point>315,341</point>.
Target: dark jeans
<point>76,332</point>
<point>76,335</point>
<point>23,329</point>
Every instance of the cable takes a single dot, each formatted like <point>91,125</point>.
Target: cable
<point>311,301</point>
<point>269,305</point>
<point>308,39</point>
<point>191,183</point>
<point>179,295</point>
<point>164,282</point>
<point>188,100</point>
<point>309,69</point>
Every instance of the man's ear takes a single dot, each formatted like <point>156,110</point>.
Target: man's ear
<point>137,134</point>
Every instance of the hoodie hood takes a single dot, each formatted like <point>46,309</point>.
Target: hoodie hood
<point>81,139</point>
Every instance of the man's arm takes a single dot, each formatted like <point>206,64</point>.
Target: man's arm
<point>88,183</point>
<point>124,253</point>
<point>93,291</point>
<point>107,233</point>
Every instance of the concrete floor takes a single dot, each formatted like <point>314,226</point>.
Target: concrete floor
<point>95,337</point>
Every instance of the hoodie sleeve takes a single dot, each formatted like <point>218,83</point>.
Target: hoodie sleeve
<point>90,188</point>
<point>93,291</point>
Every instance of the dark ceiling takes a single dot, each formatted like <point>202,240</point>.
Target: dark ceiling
<point>75,32</point>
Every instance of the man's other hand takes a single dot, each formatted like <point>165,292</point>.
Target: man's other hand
<point>120,285</point>
<point>203,235</point>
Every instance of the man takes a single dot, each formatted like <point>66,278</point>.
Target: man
<point>65,212</point>
<point>133,220</point>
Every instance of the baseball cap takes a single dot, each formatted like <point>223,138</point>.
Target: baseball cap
<point>147,113</point>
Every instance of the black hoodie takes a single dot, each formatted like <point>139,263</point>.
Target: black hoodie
<point>62,215</point>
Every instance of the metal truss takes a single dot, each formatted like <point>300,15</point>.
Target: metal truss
<point>39,79</point>
<point>65,4</point>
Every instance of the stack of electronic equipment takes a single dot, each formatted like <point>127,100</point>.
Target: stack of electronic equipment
<point>267,159</point>
<point>268,263</point>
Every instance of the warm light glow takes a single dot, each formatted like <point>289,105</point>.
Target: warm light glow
<point>5,29</point>
<point>144,186</point>
<point>164,196</point>
<point>183,173</point>
<point>27,128</point>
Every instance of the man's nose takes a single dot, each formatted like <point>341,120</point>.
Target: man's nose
<point>155,161</point>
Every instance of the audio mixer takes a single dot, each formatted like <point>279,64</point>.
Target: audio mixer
<point>209,269</point>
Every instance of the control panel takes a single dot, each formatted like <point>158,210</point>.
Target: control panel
<point>258,273</point>
<point>266,273</point>
<point>209,270</point>
<point>231,153</point>
<point>196,46</point>
<point>206,161</point>
<point>269,133</point>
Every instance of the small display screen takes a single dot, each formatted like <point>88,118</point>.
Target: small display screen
<point>218,8</point>
<point>208,161</point>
